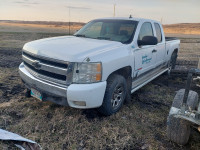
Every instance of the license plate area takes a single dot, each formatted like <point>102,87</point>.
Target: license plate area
<point>36,94</point>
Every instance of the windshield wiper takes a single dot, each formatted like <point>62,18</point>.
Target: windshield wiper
<point>79,35</point>
<point>103,38</point>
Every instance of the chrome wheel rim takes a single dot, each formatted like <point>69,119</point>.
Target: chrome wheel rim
<point>117,96</point>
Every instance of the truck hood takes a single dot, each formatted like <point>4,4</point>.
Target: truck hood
<point>69,48</point>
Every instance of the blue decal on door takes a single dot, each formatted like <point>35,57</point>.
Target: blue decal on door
<point>145,59</point>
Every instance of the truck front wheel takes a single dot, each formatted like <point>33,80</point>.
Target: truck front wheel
<point>114,96</point>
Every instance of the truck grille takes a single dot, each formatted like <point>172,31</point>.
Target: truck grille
<point>46,69</point>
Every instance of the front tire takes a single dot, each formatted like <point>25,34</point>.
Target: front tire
<point>115,94</point>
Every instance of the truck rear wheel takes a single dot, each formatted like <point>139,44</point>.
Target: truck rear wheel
<point>172,63</point>
<point>114,96</point>
<point>173,60</point>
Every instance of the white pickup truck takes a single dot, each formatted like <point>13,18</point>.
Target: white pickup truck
<point>100,65</point>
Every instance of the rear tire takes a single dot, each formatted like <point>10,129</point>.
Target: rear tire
<point>172,63</point>
<point>192,100</point>
<point>178,130</point>
<point>173,59</point>
<point>115,94</point>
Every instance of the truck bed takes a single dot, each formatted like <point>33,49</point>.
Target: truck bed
<point>170,39</point>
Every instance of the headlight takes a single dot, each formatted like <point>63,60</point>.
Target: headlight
<point>87,72</point>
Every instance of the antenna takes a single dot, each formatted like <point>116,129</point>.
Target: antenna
<point>131,12</point>
<point>114,10</point>
<point>69,20</point>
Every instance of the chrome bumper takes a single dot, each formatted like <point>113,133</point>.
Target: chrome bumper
<point>87,95</point>
<point>54,93</point>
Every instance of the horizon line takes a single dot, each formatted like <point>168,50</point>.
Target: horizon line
<point>85,22</point>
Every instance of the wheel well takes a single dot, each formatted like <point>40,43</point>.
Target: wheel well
<point>125,72</point>
<point>175,51</point>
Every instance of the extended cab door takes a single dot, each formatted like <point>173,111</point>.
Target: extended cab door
<point>160,47</point>
<point>145,56</point>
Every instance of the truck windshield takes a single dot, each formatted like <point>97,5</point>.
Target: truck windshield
<point>114,30</point>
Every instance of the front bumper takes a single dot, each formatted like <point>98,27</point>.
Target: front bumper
<point>75,95</point>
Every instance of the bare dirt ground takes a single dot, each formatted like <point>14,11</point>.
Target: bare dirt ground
<point>140,124</point>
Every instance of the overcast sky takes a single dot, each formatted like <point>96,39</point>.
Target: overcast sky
<point>170,11</point>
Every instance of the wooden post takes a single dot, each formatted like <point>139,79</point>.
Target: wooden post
<point>199,64</point>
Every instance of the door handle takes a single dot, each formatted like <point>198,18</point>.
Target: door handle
<point>154,51</point>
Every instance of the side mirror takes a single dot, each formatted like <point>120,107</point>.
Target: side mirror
<point>148,40</point>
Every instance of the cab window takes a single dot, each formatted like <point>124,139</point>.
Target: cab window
<point>94,30</point>
<point>109,29</point>
<point>146,30</point>
<point>158,32</point>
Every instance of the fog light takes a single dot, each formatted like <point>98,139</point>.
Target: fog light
<point>80,103</point>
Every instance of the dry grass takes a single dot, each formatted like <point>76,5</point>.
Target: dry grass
<point>39,28</point>
<point>62,27</point>
<point>183,28</point>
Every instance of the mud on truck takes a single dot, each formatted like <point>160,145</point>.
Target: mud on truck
<point>100,65</point>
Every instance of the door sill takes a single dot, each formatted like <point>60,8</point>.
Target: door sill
<point>144,79</point>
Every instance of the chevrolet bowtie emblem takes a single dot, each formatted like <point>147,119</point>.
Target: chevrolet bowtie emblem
<point>36,64</point>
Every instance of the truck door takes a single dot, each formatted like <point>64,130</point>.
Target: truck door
<point>160,47</point>
<point>145,56</point>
